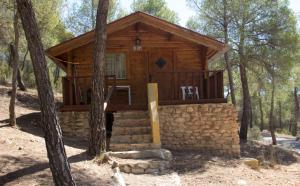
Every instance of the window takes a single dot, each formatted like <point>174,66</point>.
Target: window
<point>116,65</point>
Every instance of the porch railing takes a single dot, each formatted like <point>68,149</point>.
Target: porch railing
<point>77,90</point>
<point>200,87</point>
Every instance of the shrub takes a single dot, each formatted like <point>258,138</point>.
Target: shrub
<point>254,133</point>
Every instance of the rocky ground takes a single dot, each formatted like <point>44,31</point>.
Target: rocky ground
<point>23,159</point>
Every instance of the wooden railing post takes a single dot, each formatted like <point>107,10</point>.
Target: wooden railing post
<point>153,111</point>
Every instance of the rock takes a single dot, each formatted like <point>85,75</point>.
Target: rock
<point>252,163</point>
<point>126,169</point>
<point>143,165</point>
<point>137,170</point>
<point>20,148</point>
<point>151,171</point>
<point>190,109</point>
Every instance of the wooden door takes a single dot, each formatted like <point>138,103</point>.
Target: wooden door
<point>138,79</point>
<point>161,68</point>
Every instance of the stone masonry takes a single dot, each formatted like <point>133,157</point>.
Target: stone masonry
<point>208,127</point>
<point>74,123</point>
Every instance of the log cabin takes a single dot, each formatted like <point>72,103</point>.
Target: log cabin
<point>148,60</point>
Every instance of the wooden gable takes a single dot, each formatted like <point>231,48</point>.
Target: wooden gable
<point>154,33</point>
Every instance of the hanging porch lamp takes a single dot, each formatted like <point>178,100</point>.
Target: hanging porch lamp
<point>137,45</point>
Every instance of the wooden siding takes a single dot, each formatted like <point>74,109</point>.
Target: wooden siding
<point>181,56</point>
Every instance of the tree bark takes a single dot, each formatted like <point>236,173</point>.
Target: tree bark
<point>280,117</point>
<point>12,103</point>
<point>97,137</point>
<point>261,112</point>
<point>21,84</point>
<point>246,116</point>
<point>226,56</point>
<point>294,125</point>
<point>14,63</point>
<point>58,163</point>
<point>271,118</point>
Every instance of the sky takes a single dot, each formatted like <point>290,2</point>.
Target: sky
<point>184,12</point>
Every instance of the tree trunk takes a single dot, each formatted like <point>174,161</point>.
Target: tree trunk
<point>97,138</point>
<point>59,165</point>
<point>14,63</point>
<point>294,125</point>
<point>21,84</point>
<point>261,112</point>
<point>231,84</point>
<point>271,118</point>
<point>280,117</point>
<point>246,116</point>
<point>226,56</point>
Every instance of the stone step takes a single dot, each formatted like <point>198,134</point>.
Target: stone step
<point>131,114</point>
<point>120,130</point>
<point>144,138</point>
<point>148,166</point>
<point>138,122</point>
<point>161,154</point>
<point>133,146</point>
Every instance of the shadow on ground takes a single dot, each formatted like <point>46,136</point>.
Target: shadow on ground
<point>27,166</point>
<point>198,161</point>
<point>263,152</point>
<point>31,123</point>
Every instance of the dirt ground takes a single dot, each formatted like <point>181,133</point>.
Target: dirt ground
<point>23,159</point>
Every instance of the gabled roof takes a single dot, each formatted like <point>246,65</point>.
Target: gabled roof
<point>132,19</point>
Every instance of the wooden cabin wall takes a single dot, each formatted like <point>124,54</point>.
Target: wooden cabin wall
<point>181,56</point>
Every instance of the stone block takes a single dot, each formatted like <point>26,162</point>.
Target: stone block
<point>251,162</point>
<point>137,170</point>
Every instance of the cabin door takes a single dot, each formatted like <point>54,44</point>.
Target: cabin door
<point>161,68</point>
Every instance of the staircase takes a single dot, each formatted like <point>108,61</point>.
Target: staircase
<point>131,131</point>
<point>132,147</point>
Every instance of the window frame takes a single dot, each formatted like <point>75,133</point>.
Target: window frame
<point>115,62</point>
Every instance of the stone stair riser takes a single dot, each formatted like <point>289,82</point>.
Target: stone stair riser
<point>131,130</point>
<point>131,139</point>
<point>131,122</point>
<point>128,147</point>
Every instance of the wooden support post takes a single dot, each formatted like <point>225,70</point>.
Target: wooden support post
<point>207,79</point>
<point>69,78</point>
<point>215,85</point>
<point>69,65</point>
<point>153,112</point>
<point>221,85</point>
<point>201,90</point>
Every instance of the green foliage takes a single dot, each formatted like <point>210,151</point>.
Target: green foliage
<point>52,32</point>
<point>4,72</point>
<point>254,134</point>
<point>268,46</point>
<point>158,8</point>
<point>82,15</point>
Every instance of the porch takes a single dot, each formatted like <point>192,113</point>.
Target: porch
<point>174,88</point>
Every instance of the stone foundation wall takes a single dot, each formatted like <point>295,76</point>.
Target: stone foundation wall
<point>74,123</point>
<point>211,127</point>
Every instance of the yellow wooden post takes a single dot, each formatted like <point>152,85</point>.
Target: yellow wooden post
<point>153,111</point>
